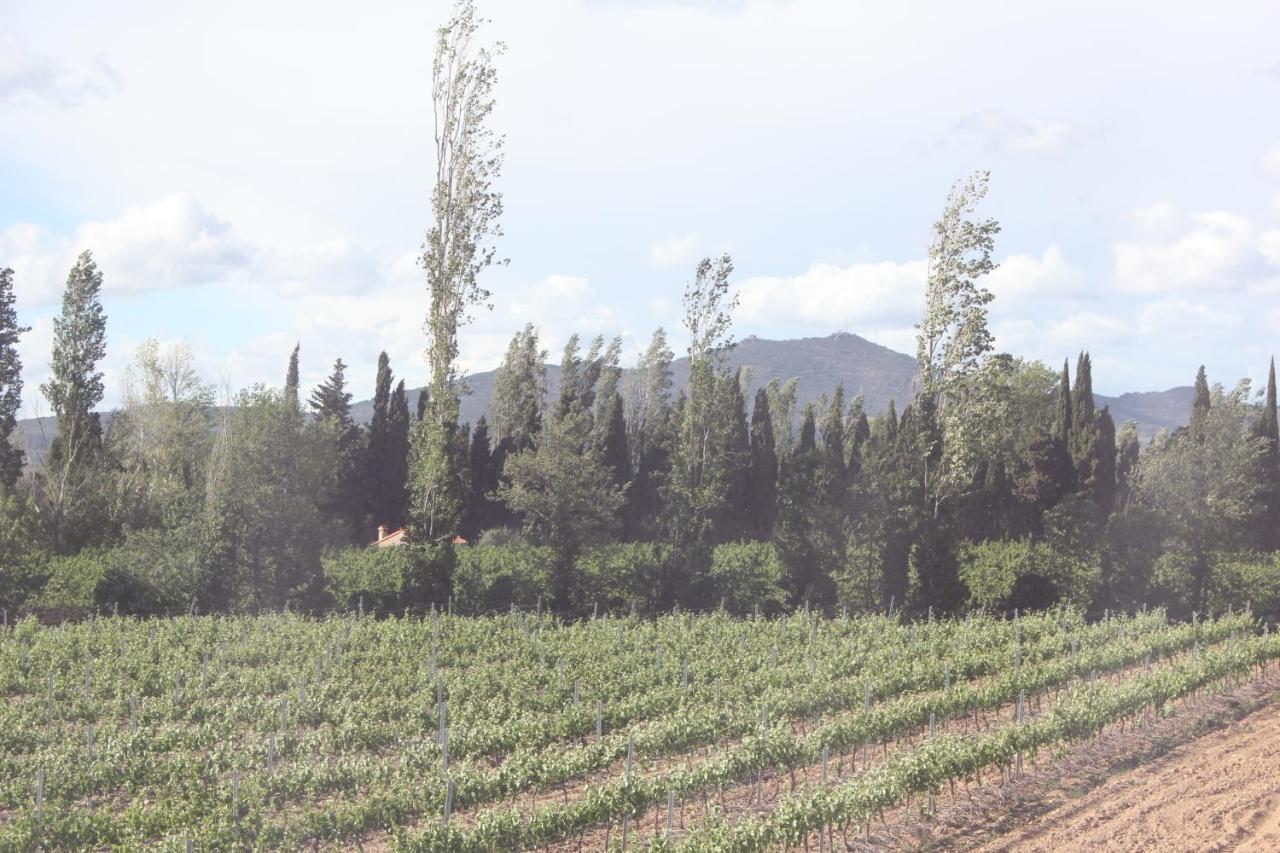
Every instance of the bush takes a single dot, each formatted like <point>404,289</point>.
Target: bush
<point>387,580</point>
<point>1024,574</point>
<point>23,565</point>
<point>494,577</point>
<point>618,577</point>
<point>747,575</point>
<point>1247,578</point>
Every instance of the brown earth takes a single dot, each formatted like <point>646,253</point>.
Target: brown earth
<point>1207,777</point>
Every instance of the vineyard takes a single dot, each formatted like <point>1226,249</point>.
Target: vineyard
<point>522,731</point>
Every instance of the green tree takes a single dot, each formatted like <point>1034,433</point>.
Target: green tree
<point>69,490</point>
<point>520,390</point>
<point>1268,430</point>
<point>331,405</point>
<point>1203,480</point>
<point>465,208</point>
<point>762,493</point>
<point>264,531</point>
<point>160,441</point>
<point>952,339</point>
<point>11,456</point>
<point>565,494</point>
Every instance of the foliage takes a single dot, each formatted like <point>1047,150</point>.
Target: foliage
<point>747,576</point>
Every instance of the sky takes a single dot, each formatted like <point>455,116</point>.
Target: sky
<point>254,174</point>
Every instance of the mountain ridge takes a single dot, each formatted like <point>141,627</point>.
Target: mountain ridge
<point>818,364</point>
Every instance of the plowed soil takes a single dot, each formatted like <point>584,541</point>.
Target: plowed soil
<point>1206,778</point>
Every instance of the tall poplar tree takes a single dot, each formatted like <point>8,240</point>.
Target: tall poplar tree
<point>459,247</point>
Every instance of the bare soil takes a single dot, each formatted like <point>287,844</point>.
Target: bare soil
<point>1206,777</point>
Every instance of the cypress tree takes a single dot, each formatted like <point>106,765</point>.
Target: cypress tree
<point>331,403</point>
<point>379,452</point>
<point>1200,405</point>
<point>11,456</point>
<point>762,493</point>
<point>1104,466</point>
<point>614,450</point>
<point>735,520</point>
<point>478,514</point>
<point>1063,418</point>
<point>397,475</point>
<point>424,399</point>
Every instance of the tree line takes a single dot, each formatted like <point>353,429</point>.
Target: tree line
<point>999,483</point>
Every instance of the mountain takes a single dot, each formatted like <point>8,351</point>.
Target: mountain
<point>877,373</point>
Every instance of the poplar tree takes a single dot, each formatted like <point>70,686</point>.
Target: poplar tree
<point>459,247</point>
<point>74,390</point>
<point>519,390</point>
<point>11,456</point>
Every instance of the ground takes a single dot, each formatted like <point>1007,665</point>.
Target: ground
<point>1205,778</point>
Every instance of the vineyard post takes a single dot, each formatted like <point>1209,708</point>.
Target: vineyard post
<point>671,808</point>
<point>39,796</point>
<point>1022,698</point>
<point>890,613</point>
<point>235,796</point>
<point>133,713</point>
<point>271,753</point>
<point>448,801</point>
<point>89,744</point>
<point>599,722</point>
<point>444,735</point>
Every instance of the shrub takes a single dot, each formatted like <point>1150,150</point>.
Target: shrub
<point>620,576</point>
<point>494,577</point>
<point>386,580</point>
<point>1024,574</point>
<point>747,575</point>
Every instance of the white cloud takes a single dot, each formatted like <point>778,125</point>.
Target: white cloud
<point>1156,219</point>
<point>1020,277</point>
<point>29,77</point>
<point>1085,329</point>
<point>673,251</point>
<point>1269,245</point>
<point>831,296</point>
<point>1011,134</point>
<point>1206,256</point>
<point>1182,317</point>
<point>1271,161</point>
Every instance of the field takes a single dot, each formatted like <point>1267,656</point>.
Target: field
<point>522,732</point>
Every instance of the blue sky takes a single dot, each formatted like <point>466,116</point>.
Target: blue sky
<point>254,174</point>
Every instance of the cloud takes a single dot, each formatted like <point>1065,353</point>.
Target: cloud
<point>1011,134</point>
<point>830,295</point>
<point>1271,161</point>
<point>674,251</point>
<point>1156,219</point>
<point>1269,245</point>
<point>28,77</point>
<point>1182,317</point>
<point>1021,277</point>
<point>1206,255</point>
